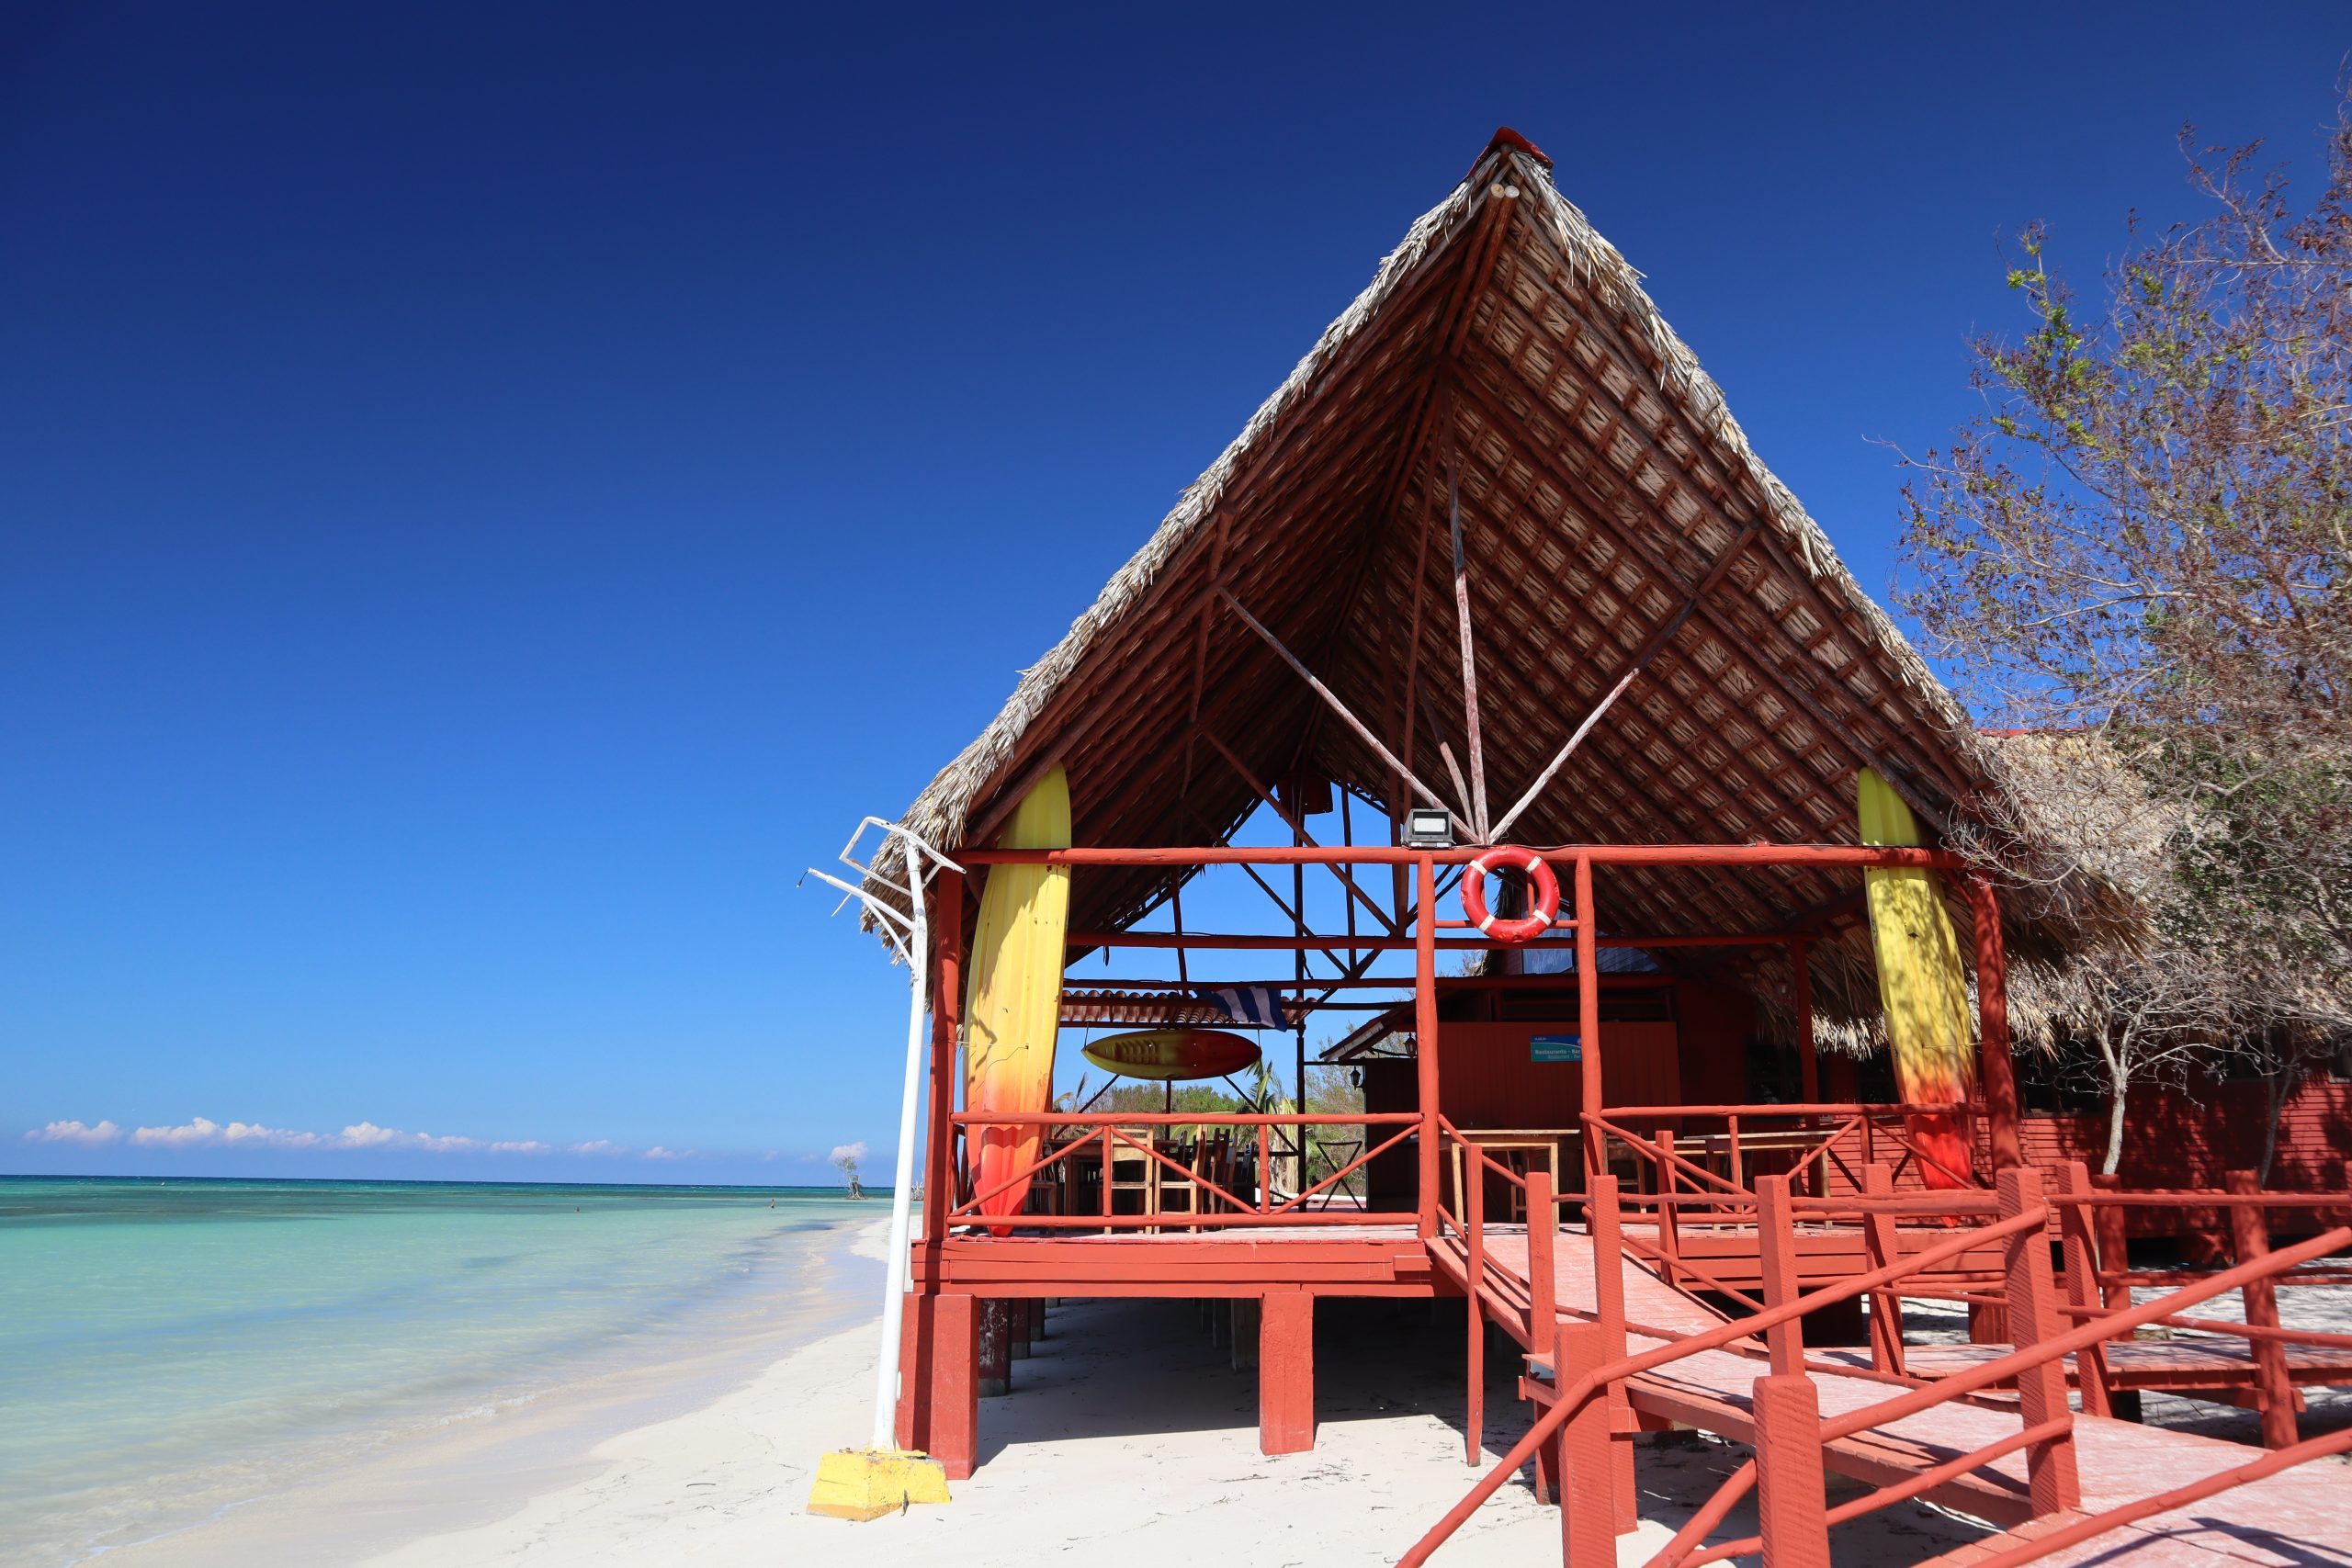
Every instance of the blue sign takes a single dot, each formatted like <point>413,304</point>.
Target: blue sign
<point>1556,1047</point>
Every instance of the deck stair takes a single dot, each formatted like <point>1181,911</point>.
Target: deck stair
<point>2089,1487</point>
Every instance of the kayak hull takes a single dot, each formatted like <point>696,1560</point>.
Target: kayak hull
<point>1013,1002</point>
<point>1923,987</point>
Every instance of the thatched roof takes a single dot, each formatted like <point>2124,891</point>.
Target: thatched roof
<point>1608,499</point>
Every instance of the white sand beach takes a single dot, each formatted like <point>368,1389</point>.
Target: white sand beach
<point>1126,1432</point>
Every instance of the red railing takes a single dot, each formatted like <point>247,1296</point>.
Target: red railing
<point>1802,1141</point>
<point>1589,1370</point>
<point>1110,1133</point>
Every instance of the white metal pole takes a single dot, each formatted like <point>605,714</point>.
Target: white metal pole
<point>894,1288</point>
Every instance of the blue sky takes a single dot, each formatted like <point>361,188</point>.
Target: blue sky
<point>488,494</point>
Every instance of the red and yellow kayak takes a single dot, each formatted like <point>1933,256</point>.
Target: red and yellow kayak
<point>1174,1054</point>
<point>1923,988</point>
<point>1012,1004</point>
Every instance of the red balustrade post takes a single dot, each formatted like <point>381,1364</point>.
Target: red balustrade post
<point>2032,1309</point>
<point>1776,1245</point>
<point>2078,1258</point>
<point>1791,1499</point>
<point>2250,1239</point>
<point>2108,1225</point>
<point>1882,1244</point>
<point>1609,1304</point>
<point>1587,1510</point>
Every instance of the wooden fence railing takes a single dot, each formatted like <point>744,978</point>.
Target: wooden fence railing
<point>1585,1397</point>
<point>1109,1136</point>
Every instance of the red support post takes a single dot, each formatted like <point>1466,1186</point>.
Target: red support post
<point>1801,1004</point>
<point>1425,1030</point>
<point>1881,1246</point>
<point>1776,1243</point>
<point>1587,1511</point>
<point>2033,1311</point>
<point>1589,1009</point>
<point>947,924</point>
<point>943,1418</point>
<point>1474,1226</point>
<point>2275,1390</point>
<point>1792,1498</point>
<point>1286,1372</point>
<point>2079,1255</point>
<point>1998,1072</point>
<point>1808,1054</point>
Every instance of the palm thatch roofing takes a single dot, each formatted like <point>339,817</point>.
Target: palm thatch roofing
<point>1611,511</point>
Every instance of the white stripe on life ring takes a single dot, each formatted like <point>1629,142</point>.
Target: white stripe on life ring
<point>1486,926</point>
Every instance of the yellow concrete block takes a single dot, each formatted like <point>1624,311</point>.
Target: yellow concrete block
<point>865,1483</point>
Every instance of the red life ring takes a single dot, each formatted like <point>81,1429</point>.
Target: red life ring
<point>1546,889</point>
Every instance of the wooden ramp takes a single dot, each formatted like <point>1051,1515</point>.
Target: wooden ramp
<point>2300,1519</point>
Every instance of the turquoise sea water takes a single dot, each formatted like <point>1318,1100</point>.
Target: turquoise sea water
<point>172,1348</point>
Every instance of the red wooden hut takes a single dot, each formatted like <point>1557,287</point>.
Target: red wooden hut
<point>1495,552</point>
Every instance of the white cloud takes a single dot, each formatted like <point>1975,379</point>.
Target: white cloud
<point>202,1131</point>
<point>75,1132</point>
<point>846,1151</point>
<point>658,1152</point>
<point>269,1137</point>
<point>598,1146</point>
<point>185,1136</point>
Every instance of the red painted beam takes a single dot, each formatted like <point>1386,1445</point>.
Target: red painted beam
<point>1390,854</point>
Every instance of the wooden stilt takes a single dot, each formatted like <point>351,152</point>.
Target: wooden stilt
<point>995,1354</point>
<point>1286,1372</point>
<point>946,1422</point>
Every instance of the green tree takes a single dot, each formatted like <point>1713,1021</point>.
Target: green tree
<point>2143,541</point>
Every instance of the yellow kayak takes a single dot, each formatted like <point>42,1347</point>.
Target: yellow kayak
<point>1012,1005</point>
<point>1923,988</point>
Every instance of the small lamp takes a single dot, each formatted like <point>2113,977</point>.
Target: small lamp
<point>1426,827</point>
